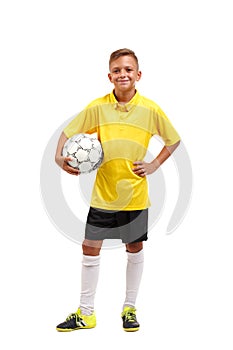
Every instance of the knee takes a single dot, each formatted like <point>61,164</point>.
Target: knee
<point>90,249</point>
<point>134,247</point>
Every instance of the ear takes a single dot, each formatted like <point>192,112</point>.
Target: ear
<point>110,77</point>
<point>139,75</point>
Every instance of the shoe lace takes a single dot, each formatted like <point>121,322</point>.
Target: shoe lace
<point>130,316</point>
<point>74,315</point>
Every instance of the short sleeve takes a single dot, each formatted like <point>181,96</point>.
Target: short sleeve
<point>164,128</point>
<point>84,122</point>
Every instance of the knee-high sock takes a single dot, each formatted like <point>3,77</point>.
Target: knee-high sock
<point>89,279</point>
<point>133,277</point>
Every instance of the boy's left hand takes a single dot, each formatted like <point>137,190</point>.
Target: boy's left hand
<point>142,168</point>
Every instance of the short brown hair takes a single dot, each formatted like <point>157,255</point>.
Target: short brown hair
<point>122,52</point>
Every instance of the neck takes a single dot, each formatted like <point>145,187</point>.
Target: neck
<point>124,97</point>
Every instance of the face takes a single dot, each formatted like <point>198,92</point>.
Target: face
<point>124,74</point>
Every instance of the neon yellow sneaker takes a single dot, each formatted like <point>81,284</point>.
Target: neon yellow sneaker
<point>130,323</point>
<point>77,321</point>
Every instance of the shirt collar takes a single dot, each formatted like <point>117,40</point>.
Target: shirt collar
<point>127,106</point>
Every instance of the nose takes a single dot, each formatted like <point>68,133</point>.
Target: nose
<point>122,73</point>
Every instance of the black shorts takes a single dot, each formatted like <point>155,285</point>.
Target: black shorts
<point>129,226</point>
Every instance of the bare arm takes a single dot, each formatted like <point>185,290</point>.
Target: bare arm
<point>142,168</point>
<point>61,161</point>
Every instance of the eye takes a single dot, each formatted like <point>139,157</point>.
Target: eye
<point>129,69</point>
<point>116,71</point>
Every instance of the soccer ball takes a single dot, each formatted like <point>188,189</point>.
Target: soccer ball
<point>86,152</point>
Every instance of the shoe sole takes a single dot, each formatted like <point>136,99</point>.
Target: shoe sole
<point>131,329</point>
<point>72,329</point>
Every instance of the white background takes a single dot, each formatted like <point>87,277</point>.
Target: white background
<point>54,60</point>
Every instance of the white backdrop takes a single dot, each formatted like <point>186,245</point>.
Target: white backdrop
<point>54,60</point>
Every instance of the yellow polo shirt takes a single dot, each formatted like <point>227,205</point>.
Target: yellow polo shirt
<point>124,132</point>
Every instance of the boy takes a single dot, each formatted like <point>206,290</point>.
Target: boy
<point>124,122</point>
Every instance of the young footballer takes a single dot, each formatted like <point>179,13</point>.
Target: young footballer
<point>124,122</point>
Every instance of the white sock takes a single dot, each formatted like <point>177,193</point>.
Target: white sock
<point>133,277</point>
<point>89,279</point>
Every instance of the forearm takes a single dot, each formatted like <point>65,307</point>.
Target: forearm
<point>142,168</point>
<point>164,155</point>
<point>63,161</point>
<point>60,145</point>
